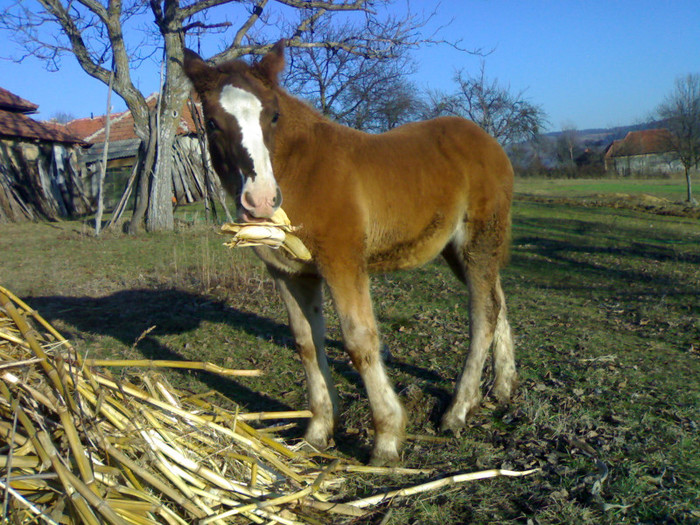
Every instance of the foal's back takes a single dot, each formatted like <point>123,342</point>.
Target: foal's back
<point>404,194</point>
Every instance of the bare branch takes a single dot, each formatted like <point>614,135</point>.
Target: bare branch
<point>357,5</point>
<point>73,32</point>
<point>204,27</point>
<point>199,6</point>
<point>508,116</point>
<point>252,19</point>
<point>95,7</point>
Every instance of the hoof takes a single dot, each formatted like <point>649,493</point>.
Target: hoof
<point>384,459</point>
<point>455,419</point>
<point>452,423</point>
<point>504,390</point>
<point>318,435</point>
<point>318,444</point>
<point>386,452</point>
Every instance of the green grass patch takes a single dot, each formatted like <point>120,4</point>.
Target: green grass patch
<point>673,189</point>
<point>605,308</point>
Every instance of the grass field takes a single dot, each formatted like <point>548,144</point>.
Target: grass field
<point>605,307</point>
<point>673,189</point>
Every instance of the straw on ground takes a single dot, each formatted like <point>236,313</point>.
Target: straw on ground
<point>140,451</point>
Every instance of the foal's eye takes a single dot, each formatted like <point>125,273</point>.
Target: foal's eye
<point>212,125</point>
<point>275,117</point>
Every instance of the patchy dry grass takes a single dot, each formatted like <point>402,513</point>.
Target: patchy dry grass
<point>605,305</point>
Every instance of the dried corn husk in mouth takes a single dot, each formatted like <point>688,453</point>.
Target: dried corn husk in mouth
<point>275,233</point>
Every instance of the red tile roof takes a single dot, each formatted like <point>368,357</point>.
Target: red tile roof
<point>645,142</point>
<point>14,121</point>
<point>19,125</point>
<point>11,102</point>
<point>84,127</point>
<point>122,125</point>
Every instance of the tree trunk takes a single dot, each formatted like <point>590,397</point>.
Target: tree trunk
<point>147,160</point>
<point>174,91</point>
<point>159,216</point>
<point>690,185</point>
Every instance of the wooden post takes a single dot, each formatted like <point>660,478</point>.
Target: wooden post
<point>103,167</point>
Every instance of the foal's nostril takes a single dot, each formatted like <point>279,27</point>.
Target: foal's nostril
<point>277,201</point>
<point>247,201</point>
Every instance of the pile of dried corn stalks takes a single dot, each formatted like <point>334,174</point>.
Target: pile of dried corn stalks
<point>77,446</point>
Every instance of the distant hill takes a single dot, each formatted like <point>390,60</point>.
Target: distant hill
<point>589,148</point>
<point>601,138</point>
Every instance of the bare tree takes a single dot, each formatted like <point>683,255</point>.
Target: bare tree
<point>347,86</point>
<point>506,115</point>
<point>95,33</point>
<point>62,117</point>
<point>681,112</point>
<point>389,104</point>
<point>566,146</point>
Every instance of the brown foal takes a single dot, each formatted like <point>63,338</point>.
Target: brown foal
<point>364,203</point>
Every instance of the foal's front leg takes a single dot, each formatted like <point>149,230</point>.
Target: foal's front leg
<point>303,297</point>
<point>354,305</point>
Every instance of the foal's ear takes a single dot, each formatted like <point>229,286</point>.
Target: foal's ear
<point>272,63</point>
<point>195,68</point>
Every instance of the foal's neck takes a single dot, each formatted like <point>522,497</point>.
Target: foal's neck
<point>295,135</point>
<point>299,116</point>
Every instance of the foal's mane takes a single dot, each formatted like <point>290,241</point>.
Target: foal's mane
<point>266,70</point>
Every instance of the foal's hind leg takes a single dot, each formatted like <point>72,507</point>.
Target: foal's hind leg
<point>303,297</point>
<point>506,378</point>
<point>487,317</point>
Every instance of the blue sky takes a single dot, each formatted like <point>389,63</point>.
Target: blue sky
<point>587,63</point>
<point>590,63</point>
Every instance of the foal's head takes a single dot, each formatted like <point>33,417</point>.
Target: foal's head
<point>241,112</point>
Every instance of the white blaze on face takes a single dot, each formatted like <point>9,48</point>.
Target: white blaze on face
<point>246,109</point>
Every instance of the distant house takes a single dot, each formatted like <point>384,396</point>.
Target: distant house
<point>40,176</point>
<point>640,152</point>
<point>189,177</point>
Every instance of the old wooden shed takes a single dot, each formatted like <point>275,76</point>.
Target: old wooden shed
<point>40,176</point>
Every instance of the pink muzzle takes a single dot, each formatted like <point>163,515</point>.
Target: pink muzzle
<point>260,200</point>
